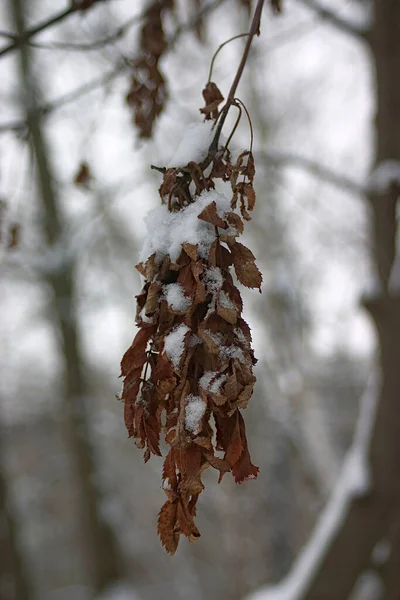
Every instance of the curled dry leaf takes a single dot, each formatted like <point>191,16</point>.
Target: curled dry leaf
<point>213,98</point>
<point>189,370</point>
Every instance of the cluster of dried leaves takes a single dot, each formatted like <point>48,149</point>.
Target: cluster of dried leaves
<point>147,93</point>
<point>148,89</point>
<point>195,397</point>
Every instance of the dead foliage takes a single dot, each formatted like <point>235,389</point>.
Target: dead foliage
<point>189,370</point>
<point>148,91</point>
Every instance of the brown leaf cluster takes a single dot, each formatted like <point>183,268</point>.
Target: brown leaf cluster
<point>189,370</point>
<point>148,93</point>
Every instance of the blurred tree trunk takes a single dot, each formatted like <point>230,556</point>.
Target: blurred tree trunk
<point>103,561</point>
<point>14,581</point>
<point>371,518</point>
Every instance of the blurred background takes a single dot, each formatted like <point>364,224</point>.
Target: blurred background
<point>78,507</point>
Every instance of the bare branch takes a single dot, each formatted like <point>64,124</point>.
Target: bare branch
<point>331,17</point>
<point>19,40</point>
<point>98,82</point>
<point>118,34</point>
<point>282,159</point>
<point>79,92</point>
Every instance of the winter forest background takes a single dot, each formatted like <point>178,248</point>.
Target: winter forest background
<point>78,508</point>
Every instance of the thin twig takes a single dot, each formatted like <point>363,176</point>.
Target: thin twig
<point>250,123</point>
<point>235,37</point>
<point>82,46</point>
<point>235,126</point>
<point>26,36</point>
<point>254,30</point>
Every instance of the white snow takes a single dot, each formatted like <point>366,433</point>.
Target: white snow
<point>194,340</point>
<point>213,279</point>
<point>240,336</point>
<point>384,174</point>
<point>226,302</point>
<point>225,351</point>
<point>353,481</point>
<point>167,231</point>
<point>212,381</point>
<point>176,298</point>
<point>194,145</point>
<point>233,352</point>
<point>174,344</point>
<point>194,412</point>
<point>144,318</point>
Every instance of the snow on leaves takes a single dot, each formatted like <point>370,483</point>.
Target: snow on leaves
<point>189,370</point>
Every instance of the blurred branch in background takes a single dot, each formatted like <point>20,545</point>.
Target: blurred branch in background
<point>334,19</point>
<point>103,561</point>
<point>283,159</point>
<point>14,574</point>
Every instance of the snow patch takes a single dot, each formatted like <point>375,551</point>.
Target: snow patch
<point>167,231</point>
<point>174,344</point>
<point>176,298</point>
<point>195,144</point>
<point>226,302</point>
<point>212,381</point>
<point>213,279</point>
<point>194,412</point>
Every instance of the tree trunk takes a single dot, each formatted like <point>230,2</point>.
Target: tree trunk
<point>369,518</point>
<point>14,582</point>
<point>103,561</point>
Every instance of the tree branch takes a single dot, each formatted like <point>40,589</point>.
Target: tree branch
<point>254,30</point>
<point>283,159</point>
<point>331,17</point>
<point>25,36</point>
<point>98,82</point>
<point>50,107</point>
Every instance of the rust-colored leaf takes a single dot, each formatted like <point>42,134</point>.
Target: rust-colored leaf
<point>213,98</point>
<point>245,266</point>
<point>135,356</point>
<point>235,447</point>
<point>153,299</point>
<point>191,250</point>
<point>243,469</point>
<point>166,527</point>
<point>210,215</point>
<point>236,222</point>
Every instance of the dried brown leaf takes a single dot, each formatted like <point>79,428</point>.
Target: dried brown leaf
<point>166,526</point>
<point>245,267</point>
<point>213,98</point>
<point>210,215</point>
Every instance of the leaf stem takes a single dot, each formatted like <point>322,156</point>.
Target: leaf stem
<point>254,30</point>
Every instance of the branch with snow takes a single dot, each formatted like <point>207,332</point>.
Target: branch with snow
<point>353,483</point>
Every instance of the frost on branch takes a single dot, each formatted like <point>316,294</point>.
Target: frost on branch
<point>189,370</point>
